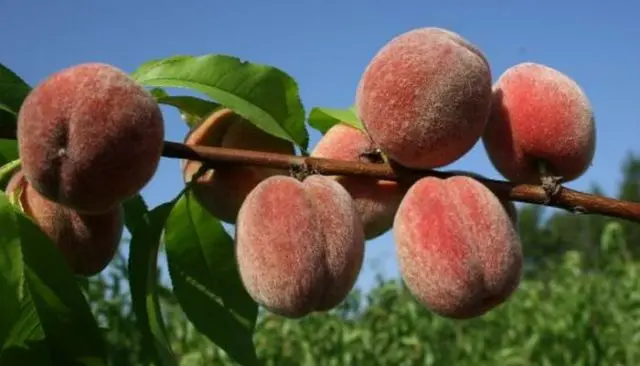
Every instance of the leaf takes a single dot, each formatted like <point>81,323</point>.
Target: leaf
<point>7,171</point>
<point>134,210</point>
<point>159,93</point>
<point>8,151</point>
<point>193,109</point>
<point>206,282</point>
<point>265,95</point>
<point>150,65</point>
<point>64,313</point>
<point>143,264</point>
<point>7,119</point>
<point>26,343</point>
<point>6,109</point>
<point>322,119</point>
<point>13,90</point>
<point>11,268</point>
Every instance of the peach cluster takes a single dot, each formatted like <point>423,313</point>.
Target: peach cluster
<point>89,137</point>
<point>425,99</point>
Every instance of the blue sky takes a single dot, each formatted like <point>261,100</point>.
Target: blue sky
<point>327,44</point>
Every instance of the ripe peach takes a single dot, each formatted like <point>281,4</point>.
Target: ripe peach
<point>539,116</point>
<point>299,245</point>
<point>89,137</point>
<point>508,205</point>
<point>222,190</point>
<point>425,96</point>
<point>87,242</point>
<point>457,248</point>
<point>376,200</point>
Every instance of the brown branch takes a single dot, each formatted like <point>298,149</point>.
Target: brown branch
<point>568,199</point>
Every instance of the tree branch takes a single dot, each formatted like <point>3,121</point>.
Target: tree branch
<point>568,199</point>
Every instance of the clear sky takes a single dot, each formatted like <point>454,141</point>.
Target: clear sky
<point>327,44</point>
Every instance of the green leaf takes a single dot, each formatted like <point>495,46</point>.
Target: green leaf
<point>13,90</point>
<point>8,151</point>
<point>143,266</point>
<point>206,282</point>
<point>7,119</point>
<point>265,95</point>
<point>11,268</point>
<point>322,119</point>
<point>64,313</point>
<point>193,109</point>
<point>26,343</point>
<point>159,93</point>
<point>150,65</point>
<point>6,109</point>
<point>134,210</point>
<point>7,171</point>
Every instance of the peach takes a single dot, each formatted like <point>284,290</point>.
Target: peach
<point>376,200</point>
<point>541,124</point>
<point>299,245</point>
<point>89,137</point>
<point>458,251</point>
<point>87,242</point>
<point>424,98</point>
<point>508,205</point>
<point>222,190</point>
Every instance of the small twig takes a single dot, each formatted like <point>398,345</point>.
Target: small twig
<point>565,198</point>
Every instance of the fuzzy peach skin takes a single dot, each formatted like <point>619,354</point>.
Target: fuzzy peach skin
<point>90,137</point>
<point>221,191</point>
<point>539,115</point>
<point>299,245</point>
<point>87,242</point>
<point>508,205</point>
<point>457,249</point>
<point>424,98</point>
<point>376,200</point>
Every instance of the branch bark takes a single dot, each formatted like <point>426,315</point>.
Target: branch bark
<point>568,199</point>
